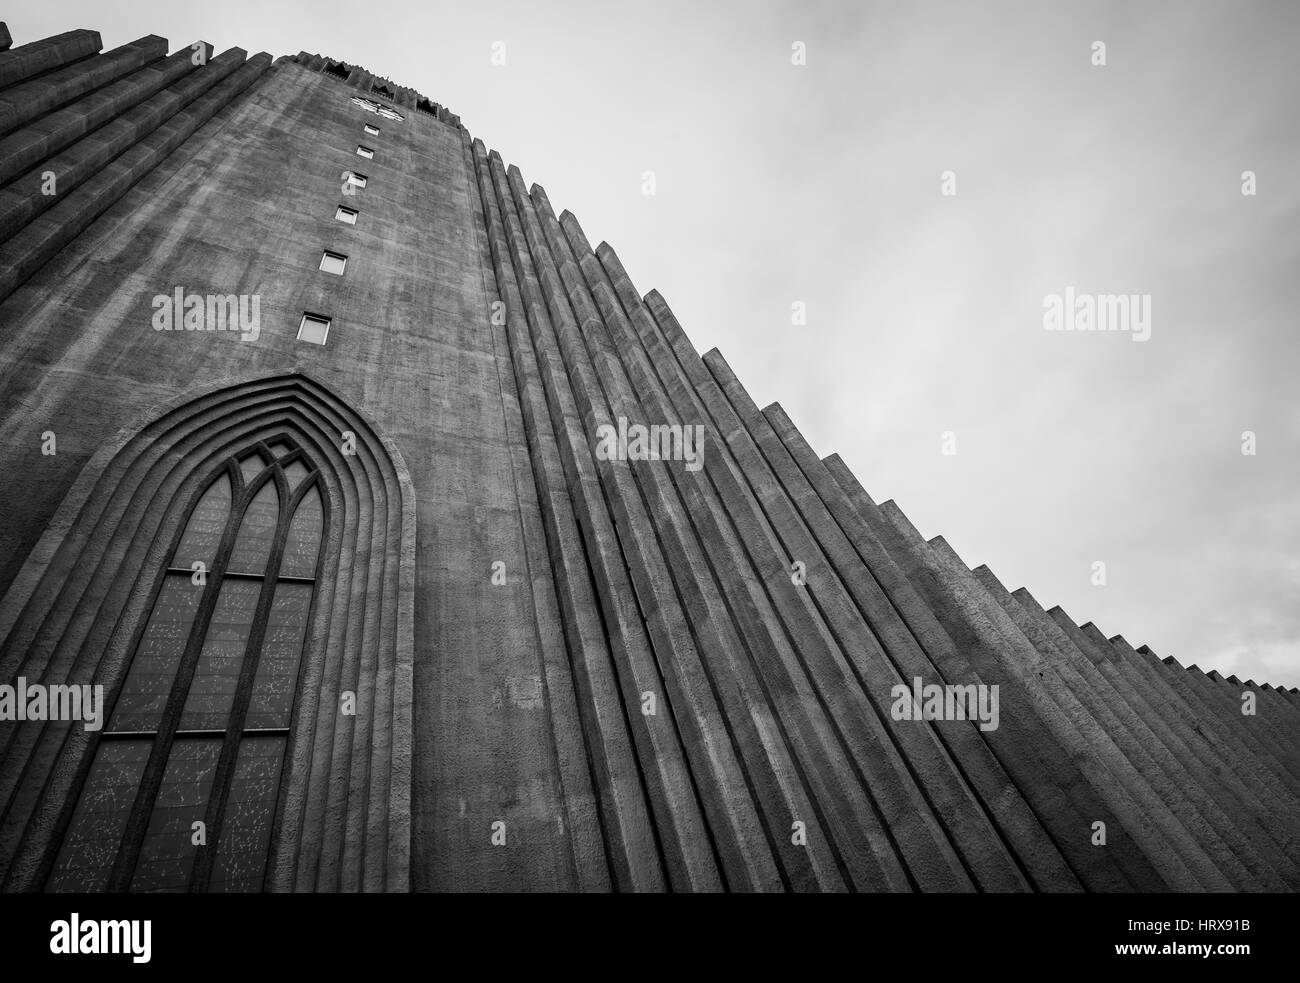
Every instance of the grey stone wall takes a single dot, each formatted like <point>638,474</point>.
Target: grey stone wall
<point>655,676</point>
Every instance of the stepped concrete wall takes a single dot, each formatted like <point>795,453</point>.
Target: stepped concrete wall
<point>659,674</point>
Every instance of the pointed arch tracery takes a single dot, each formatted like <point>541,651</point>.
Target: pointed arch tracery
<point>199,728</point>
<point>222,689</point>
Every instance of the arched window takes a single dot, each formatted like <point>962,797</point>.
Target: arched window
<point>199,729</point>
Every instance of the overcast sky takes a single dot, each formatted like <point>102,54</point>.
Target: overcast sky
<point>821,184</point>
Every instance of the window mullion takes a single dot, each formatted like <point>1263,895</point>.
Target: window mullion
<point>203,864</point>
<point>142,809</point>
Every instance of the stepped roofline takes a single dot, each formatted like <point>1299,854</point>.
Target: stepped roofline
<point>377,88</point>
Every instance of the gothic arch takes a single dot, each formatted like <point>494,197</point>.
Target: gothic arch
<point>77,609</point>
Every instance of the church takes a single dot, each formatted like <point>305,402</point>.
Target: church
<point>303,392</point>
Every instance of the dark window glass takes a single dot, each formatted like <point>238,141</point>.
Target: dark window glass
<point>277,669</point>
<point>304,538</point>
<point>207,523</point>
<point>86,856</point>
<point>250,810</point>
<point>168,854</point>
<point>253,546</point>
<point>153,670</point>
<point>212,691</point>
<point>250,467</point>
<point>295,472</point>
<point>240,621</point>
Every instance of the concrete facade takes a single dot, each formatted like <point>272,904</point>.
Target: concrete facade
<point>572,673</point>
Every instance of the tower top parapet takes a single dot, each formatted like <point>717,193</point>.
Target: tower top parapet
<point>378,89</point>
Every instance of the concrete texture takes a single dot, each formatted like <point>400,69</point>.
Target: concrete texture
<point>574,673</point>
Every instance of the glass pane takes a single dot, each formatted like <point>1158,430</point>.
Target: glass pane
<point>277,668</point>
<point>250,811</point>
<point>279,448</point>
<point>303,542</point>
<point>333,263</point>
<point>207,523</point>
<point>251,467</point>
<point>212,691</point>
<point>167,856</point>
<point>347,215</point>
<point>313,329</point>
<point>295,472</point>
<point>86,857</point>
<point>256,531</point>
<point>153,670</point>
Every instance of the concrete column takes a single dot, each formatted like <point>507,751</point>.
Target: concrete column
<point>762,595</point>
<point>1173,697</point>
<point>929,754</point>
<point>625,814</point>
<point>1221,704</point>
<point>1152,825</point>
<point>798,711</point>
<point>688,847</point>
<point>45,137</point>
<point>720,772</point>
<point>32,59</point>
<point>581,826</point>
<point>1195,811</point>
<point>38,241</point>
<point>22,202</point>
<point>31,100</point>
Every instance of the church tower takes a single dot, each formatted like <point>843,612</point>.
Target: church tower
<point>364,528</point>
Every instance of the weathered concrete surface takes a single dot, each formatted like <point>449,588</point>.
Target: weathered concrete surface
<point>576,671</point>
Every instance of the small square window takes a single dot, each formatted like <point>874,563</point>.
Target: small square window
<point>334,263</point>
<point>357,180</point>
<point>345,214</point>
<point>365,152</point>
<point>314,328</point>
<point>372,130</point>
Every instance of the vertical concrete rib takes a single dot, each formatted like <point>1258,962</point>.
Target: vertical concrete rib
<point>744,550</point>
<point>687,845</point>
<point>26,252</point>
<point>1257,769</point>
<point>921,841</point>
<point>1148,821</point>
<point>45,137</point>
<point>1153,769</point>
<point>1259,739</point>
<point>1223,696</point>
<point>32,59</point>
<point>886,651</point>
<point>742,839</point>
<point>1147,740</point>
<point>1064,802</point>
<point>635,862</point>
<point>887,595</point>
<point>35,98</point>
<point>667,487</point>
<point>1181,704</point>
<point>923,758</point>
<point>807,482</point>
<point>20,204</point>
